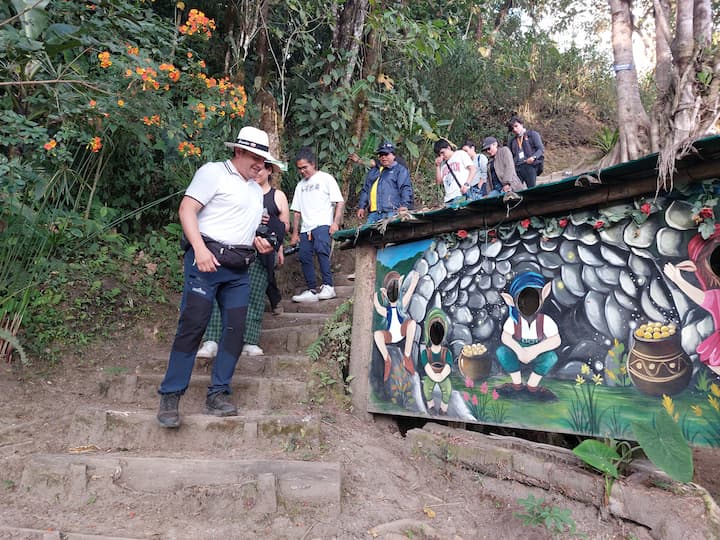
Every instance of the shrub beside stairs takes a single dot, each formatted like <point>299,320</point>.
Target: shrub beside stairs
<point>229,477</point>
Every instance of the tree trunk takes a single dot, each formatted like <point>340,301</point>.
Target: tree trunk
<point>634,123</point>
<point>270,119</point>
<point>371,66</point>
<point>662,109</point>
<point>347,36</point>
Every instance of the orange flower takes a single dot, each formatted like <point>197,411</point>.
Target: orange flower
<point>93,103</point>
<point>52,143</point>
<point>132,50</point>
<point>188,149</point>
<point>197,23</point>
<point>121,102</point>
<point>95,144</point>
<point>104,58</point>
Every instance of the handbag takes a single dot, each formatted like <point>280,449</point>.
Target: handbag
<point>234,257</point>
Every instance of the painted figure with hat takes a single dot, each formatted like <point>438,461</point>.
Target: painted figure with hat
<point>436,361</point>
<point>398,326</point>
<point>529,337</point>
<point>317,207</point>
<point>220,214</point>
<point>387,189</point>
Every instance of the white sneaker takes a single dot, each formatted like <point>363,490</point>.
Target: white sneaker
<point>252,350</point>
<point>208,350</point>
<point>306,296</point>
<point>326,292</point>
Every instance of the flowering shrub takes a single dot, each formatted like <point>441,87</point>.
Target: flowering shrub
<point>140,112</point>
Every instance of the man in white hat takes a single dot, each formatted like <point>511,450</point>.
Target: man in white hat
<point>220,213</point>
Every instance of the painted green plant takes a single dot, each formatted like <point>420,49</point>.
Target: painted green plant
<point>584,414</point>
<point>616,369</point>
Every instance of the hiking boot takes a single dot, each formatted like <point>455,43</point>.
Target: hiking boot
<point>219,404</point>
<point>278,310</point>
<point>208,350</point>
<point>326,292</point>
<point>252,350</point>
<point>306,296</point>
<point>168,415</point>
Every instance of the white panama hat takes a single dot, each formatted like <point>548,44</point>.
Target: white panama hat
<point>253,140</point>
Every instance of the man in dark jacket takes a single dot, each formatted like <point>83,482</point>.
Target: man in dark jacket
<point>527,150</point>
<point>387,188</point>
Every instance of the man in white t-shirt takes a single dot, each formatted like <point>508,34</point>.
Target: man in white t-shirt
<point>478,184</point>
<point>318,204</point>
<point>454,170</point>
<point>220,213</point>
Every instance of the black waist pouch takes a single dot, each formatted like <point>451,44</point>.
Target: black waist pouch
<point>238,257</point>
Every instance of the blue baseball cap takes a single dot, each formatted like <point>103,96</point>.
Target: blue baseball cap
<point>386,148</point>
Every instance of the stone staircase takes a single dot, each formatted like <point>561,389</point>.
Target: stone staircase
<point>232,477</point>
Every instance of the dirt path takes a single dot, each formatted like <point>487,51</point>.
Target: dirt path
<point>389,489</point>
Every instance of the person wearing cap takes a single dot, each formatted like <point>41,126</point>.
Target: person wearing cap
<point>387,189</point>
<point>221,210</point>
<point>314,223</point>
<point>478,184</point>
<point>454,170</point>
<point>501,169</point>
<point>527,149</point>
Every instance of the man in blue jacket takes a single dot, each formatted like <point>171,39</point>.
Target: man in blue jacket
<point>387,188</point>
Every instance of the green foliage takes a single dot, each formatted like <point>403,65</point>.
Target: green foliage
<point>331,351</point>
<point>539,513</point>
<point>661,440</point>
<point>606,139</point>
<point>664,444</point>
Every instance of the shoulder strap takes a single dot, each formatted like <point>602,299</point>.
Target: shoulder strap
<point>539,326</point>
<point>518,330</point>
<point>453,175</point>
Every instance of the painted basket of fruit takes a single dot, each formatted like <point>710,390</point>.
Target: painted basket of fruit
<point>656,362</point>
<point>474,362</point>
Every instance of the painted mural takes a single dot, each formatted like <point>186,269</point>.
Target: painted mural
<point>580,323</point>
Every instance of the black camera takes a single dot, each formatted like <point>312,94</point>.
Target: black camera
<point>263,231</point>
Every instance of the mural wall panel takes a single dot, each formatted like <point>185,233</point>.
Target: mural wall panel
<point>580,323</point>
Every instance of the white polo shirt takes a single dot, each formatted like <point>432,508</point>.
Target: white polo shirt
<point>314,198</point>
<point>232,206</point>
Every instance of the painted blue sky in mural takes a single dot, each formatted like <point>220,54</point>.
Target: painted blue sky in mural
<point>390,257</point>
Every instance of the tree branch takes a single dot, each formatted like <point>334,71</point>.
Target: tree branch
<point>11,19</point>
<point>54,81</point>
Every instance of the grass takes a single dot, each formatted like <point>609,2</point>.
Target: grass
<point>622,406</point>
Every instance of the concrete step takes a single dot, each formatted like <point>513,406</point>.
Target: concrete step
<point>213,487</point>
<point>292,366</point>
<point>256,393</point>
<point>52,534</point>
<point>292,340</point>
<point>323,306</point>
<point>139,430</point>
<point>294,319</point>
